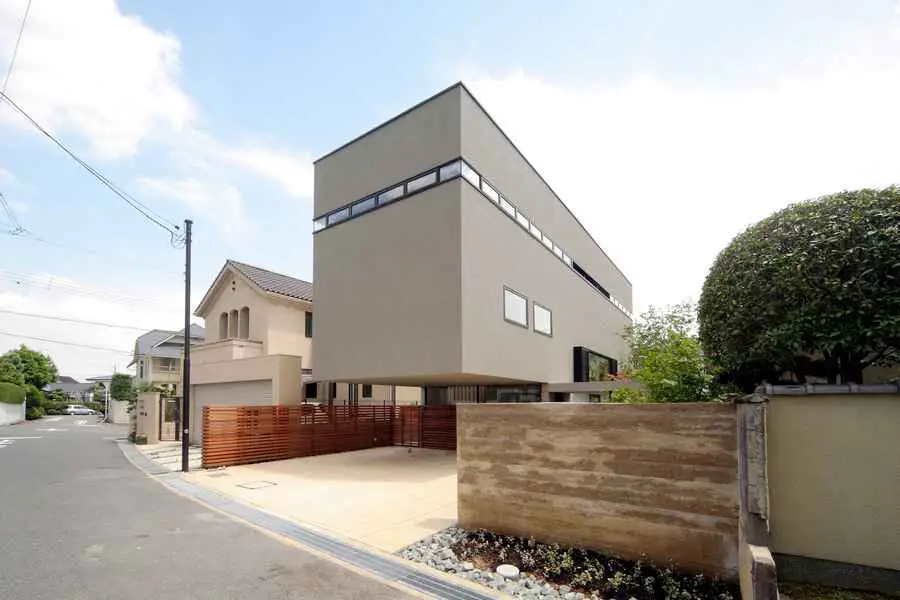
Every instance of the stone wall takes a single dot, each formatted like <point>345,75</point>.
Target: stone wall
<point>631,480</point>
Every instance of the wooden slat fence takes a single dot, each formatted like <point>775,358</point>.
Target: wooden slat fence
<point>237,435</point>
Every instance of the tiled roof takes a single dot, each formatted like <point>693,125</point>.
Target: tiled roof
<point>275,283</point>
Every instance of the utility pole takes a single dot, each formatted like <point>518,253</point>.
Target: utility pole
<point>186,369</point>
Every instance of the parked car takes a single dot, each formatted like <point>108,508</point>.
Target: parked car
<point>78,409</point>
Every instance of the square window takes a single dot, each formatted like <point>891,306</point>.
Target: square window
<point>489,191</point>
<point>362,206</point>
<point>523,220</point>
<point>543,319</point>
<point>535,231</point>
<point>507,207</point>
<point>390,195</point>
<point>450,171</point>
<point>470,175</point>
<point>515,308</point>
<point>338,216</point>
<point>420,182</point>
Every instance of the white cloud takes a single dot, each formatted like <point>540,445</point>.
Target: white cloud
<point>85,68</point>
<point>664,176</point>
<point>220,204</point>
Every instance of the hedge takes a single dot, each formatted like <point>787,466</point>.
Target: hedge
<point>10,393</point>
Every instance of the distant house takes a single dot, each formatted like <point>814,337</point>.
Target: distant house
<point>74,391</point>
<point>158,355</point>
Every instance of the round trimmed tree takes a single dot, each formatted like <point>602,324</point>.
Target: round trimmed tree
<point>814,289</point>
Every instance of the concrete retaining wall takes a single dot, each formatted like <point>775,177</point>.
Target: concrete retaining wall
<point>657,480</point>
<point>11,413</point>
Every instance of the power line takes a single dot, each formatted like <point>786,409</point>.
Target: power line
<point>17,226</point>
<point>65,343</point>
<point>155,218</point>
<point>107,295</point>
<point>71,320</point>
<point>23,233</point>
<point>15,53</point>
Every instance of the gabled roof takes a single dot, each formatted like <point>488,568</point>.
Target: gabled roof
<point>154,342</point>
<point>66,379</point>
<point>264,280</point>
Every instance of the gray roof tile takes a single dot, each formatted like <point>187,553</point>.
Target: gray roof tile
<point>275,283</point>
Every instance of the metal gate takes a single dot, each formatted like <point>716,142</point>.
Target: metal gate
<point>169,419</point>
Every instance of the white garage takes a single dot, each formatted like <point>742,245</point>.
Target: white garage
<point>231,393</point>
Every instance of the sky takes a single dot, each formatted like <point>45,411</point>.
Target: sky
<point>666,127</point>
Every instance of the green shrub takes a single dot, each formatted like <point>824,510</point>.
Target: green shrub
<point>11,393</point>
<point>33,412</point>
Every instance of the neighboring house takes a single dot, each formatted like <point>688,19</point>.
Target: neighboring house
<point>443,259</point>
<point>158,355</point>
<point>74,391</point>
<point>259,346</point>
<point>116,412</point>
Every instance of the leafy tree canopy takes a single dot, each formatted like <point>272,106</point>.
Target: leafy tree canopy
<point>121,388</point>
<point>36,368</point>
<point>11,393</point>
<point>11,370</point>
<point>814,288</point>
<point>666,358</point>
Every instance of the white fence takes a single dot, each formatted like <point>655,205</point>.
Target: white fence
<point>11,413</point>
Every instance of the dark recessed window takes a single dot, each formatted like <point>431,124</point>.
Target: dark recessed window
<point>311,390</point>
<point>390,195</point>
<point>367,390</point>
<point>309,324</point>
<point>450,171</point>
<point>543,319</point>
<point>420,182</point>
<point>515,308</point>
<point>363,206</point>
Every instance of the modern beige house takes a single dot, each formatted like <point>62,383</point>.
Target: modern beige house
<point>443,259</point>
<point>259,347</point>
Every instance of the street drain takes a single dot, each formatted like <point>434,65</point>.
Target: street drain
<point>256,485</point>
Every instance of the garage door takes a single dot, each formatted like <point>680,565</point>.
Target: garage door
<point>236,393</point>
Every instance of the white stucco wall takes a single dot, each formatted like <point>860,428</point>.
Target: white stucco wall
<point>11,413</point>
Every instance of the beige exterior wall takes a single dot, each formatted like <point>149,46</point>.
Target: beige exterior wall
<point>221,350</point>
<point>659,480</point>
<point>286,330</point>
<point>235,294</point>
<point>387,292</point>
<point>408,395</point>
<point>834,477</point>
<point>489,151</point>
<point>284,371</point>
<point>497,252</point>
<point>421,139</point>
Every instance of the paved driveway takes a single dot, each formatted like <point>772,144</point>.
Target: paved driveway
<point>386,498</point>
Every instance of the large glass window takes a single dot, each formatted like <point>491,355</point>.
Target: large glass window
<point>507,207</point>
<point>390,195</point>
<point>515,308</point>
<point>489,191</point>
<point>557,251</point>
<point>543,319</point>
<point>470,175</point>
<point>421,182</point>
<point>535,231</point>
<point>548,242</point>
<point>450,171</point>
<point>363,206</point>
<point>523,220</point>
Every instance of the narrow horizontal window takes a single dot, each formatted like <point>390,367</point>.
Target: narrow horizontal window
<point>515,308</point>
<point>420,182</point>
<point>337,217</point>
<point>363,206</point>
<point>523,220</point>
<point>548,242</point>
<point>557,251</point>
<point>489,191</point>
<point>535,231</point>
<point>543,319</point>
<point>390,195</point>
<point>567,259</point>
<point>470,175</point>
<point>450,171</point>
<point>507,207</point>
<point>319,224</point>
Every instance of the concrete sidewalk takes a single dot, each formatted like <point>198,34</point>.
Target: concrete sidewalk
<point>168,455</point>
<point>383,498</point>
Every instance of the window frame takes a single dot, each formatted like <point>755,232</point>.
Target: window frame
<point>363,391</point>
<point>432,178</point>
<point>507,289</point>
<point>308,324</point>
<point>534,306</point>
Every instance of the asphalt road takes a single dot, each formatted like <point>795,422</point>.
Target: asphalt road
<point>79,521</point>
